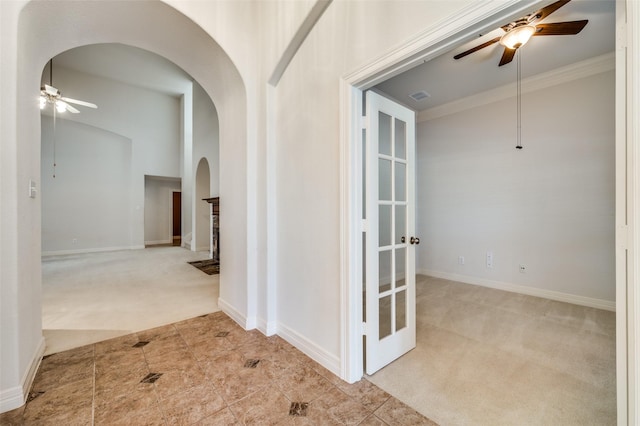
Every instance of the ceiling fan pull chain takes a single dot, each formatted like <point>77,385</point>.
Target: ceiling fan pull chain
<point>54,143</point>
<point>519,99</point>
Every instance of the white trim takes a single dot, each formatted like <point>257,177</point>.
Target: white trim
<point>16,397</point>
<point>351,350</point>
<point>552,78</point>
<point>90,250</point>
<point>529,291</point>
<point>622,230</point>
<point>267,328</point>
<point>632,142</point>
<point>440,38</point>
<point>158,242</point>
<point>271,308</point>
<point>299,37</point>
<point>310,349</point>
<point>233,313</point>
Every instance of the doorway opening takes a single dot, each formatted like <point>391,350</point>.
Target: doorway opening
<point>353,87</point>
<point>177,218</point>
<point>136,220</point>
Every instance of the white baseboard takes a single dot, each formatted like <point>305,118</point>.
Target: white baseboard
<point>233,313</point>
<point>309,348</point>
<point>267,328</point>
<point>90,250</point>
<point>15,397</point>
<point>158,242</point>
<point>530,291</point>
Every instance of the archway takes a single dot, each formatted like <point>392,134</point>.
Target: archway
<point>202,216</point>
<point>45,29</point>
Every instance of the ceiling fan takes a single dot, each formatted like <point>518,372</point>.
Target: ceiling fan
<point>51,95</point>
<point>518,33</point>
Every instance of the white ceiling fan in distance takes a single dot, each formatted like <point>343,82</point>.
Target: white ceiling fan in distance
<point>51,95</point>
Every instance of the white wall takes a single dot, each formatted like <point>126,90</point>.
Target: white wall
<point>549,206</point>
<point>158,209</point>
<point>205,153</point>
<point>307,123</point>
<point>87,205</point>
<point>155,145</point>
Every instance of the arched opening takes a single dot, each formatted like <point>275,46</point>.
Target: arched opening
<point>202,234</point>
<point>44,30</point>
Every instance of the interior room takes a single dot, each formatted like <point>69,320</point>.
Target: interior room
<point>509,285</point>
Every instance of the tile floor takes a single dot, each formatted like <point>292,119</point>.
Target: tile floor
<point>206,371</point>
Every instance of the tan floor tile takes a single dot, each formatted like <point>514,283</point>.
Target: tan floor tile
<point>66,402</point>
<point>51,375</point>
<point>372,420</point>
<point>336,407</point>
<point>116,344</point>
<point>267,406</point>
<point>157,333</point>
<point>177,380</point>
<point>223,417</point>
<point>395,412</point>
<point>302,383</point>
<point>366,393</point>
<point>127,407</point>
<point>209,372</point>
<point>191,405</point>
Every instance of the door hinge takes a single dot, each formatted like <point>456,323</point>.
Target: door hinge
<point>364,227</point>
<point>363,122</point>
<point>364,328</point>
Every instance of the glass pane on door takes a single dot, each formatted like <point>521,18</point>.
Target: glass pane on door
<point>400,136</point>
<point>384,271</point>
<point>384,133</point>
<point>401,224</point>
<point>384,180</point>
<point>384,228</point>
<point>384,310</point>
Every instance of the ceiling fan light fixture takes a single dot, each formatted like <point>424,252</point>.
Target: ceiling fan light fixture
<point>518,36</point>
<point>43,102</point>
<point>61,106</point>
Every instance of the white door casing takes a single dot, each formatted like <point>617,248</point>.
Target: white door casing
<point>390,233</point>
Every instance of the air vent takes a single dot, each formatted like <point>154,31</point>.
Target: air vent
<point>418,96</point>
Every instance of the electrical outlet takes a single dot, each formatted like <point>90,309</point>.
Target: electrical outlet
<point>460,260</point>
<point>522,269</point>
<point>74,241</point>
<point>489,259</point>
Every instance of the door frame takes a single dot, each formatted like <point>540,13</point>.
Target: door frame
<point>463,27</point>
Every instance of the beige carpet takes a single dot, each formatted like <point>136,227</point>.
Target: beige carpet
<point>489,357</point>
<point>92,297</point>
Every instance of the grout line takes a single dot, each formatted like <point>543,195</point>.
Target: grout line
<point>93,395</point>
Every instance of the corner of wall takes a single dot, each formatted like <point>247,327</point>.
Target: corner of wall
<point>15,397</point>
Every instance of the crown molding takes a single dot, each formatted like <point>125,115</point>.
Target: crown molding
<point>578,70</point>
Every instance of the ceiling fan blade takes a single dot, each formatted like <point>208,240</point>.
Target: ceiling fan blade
<point>475,49</point>
<point>560,28</point>
<point>507,56</point>
<point>546,11</point>
<point>51,90</point>
<point>67,107</point>
<point>83,103</point>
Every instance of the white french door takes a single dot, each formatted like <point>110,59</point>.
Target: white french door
<point>389,157</point>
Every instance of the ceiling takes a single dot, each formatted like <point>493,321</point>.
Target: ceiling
<point>125,64</point>
<point>447,79</point>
